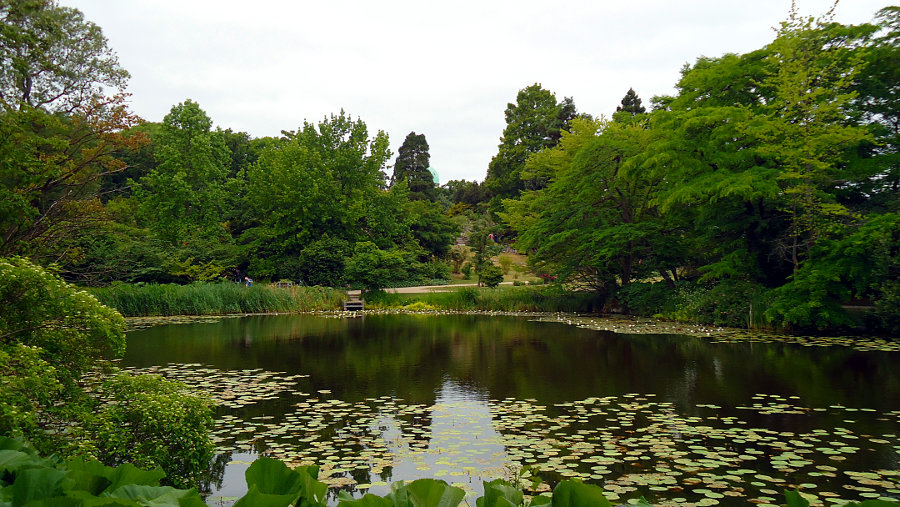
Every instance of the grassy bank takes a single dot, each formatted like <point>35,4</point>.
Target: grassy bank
<point>501,299</point>
<point>214,299</point>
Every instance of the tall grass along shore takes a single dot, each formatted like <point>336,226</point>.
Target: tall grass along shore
<point>214,299</point>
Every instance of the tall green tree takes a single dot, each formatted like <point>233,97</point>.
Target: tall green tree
<point>51,167</point>
<point>412,166</point>
<point>759,145</point>
<point>52,58</point>
<point>181,199</point>
<point>430,227</point>
<point>533,123</point>
<point>595,224</point>
<point>805,130</point>
<point>59,127</point>
<point>324,179</point>
<point>521,213</point>
<point>484,246</point>
<point>466,194</point>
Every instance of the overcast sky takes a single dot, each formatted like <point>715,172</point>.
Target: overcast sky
<point>445,69</point>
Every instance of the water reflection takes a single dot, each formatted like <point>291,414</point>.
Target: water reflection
<point>444,393</point>
<point>454,440</point>
<point>409,357</point>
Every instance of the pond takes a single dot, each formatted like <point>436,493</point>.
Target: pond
<point>466,398</point>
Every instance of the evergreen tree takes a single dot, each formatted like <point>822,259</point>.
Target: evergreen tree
<point>878,102</point>
<point>412,165</point>
<point>567,113</point>
<point>533,123</point>
<point>631,103</point>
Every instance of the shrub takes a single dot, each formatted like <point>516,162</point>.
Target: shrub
<point>149,421</point>
<point>862,264</point>
<point>323,262</point>
<point>458,255</point>
<point>645,298</point>
<point>490,275</point>
<point>435,270</point>
<point>373,268</point>
<point>70,326</point>
<point>887,309</point>
<point>727,303</point>
<point>52,334</point>
<point>724,304</point>
<point>552,298</point>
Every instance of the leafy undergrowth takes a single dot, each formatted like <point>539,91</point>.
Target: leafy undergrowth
<point>27,479</point>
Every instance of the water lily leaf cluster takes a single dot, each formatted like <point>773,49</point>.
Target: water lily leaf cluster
<point>633,445</point>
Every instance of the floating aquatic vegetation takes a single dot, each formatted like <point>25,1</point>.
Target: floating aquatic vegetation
<point>634,325</point>
<point>134,323</point>
<point>633,445</point>
<point>231,389</point>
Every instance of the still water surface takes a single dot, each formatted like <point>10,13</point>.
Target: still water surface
<point>382,398</point>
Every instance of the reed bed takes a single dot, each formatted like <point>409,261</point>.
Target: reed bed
<point>217,298</point>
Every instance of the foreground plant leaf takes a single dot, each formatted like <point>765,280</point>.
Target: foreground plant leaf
<point>256,498</point>
<point>35,484</point>
<point>499,493</point>
<point>368,500</point>
<point>577,494</point>
<point>434,493</point>
<point>158,495</point>
<point>272,477</point>
<point>273,483</point>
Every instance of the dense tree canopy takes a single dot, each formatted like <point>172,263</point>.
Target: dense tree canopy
<point>877,102</point>
<point>758,170</point>
<point>183,195</point>
<point>754,172</point>
<point>59,127</point>
<point>324,179</point>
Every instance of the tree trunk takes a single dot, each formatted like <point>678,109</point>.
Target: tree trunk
<point>665,275</point>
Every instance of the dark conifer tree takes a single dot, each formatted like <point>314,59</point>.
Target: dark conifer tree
<point>413,166</point>
<point>631,103</point>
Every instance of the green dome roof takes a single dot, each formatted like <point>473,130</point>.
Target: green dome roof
<point>434,175</point>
